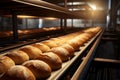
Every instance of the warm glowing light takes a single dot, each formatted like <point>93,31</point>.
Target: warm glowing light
<point>93,7</point>
<point>32,17</point>
<point>50,18</point>
<point>25,16</point>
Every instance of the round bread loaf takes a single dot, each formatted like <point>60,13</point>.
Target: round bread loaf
<point>61,52</point>
<point>18,72</point>
<point>92,30</point>
<point>51,59</point>
<point>50,43</point>
<point>32,51</point>
<point>18,56</point>
<point>74,43</point>
<point>86,36</point>
<point>69,48</point>
<point>57,41</point>
<point>5,63</point>
<point>80,39</point>
<point>42,47</point>
<point>39,68</point>
<point>62,40</point>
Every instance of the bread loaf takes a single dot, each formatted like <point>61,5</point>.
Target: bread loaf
<point>86,36</point>
<point>61,52</point>
<point>5,63</point>
<point>39,68</point>
<point>50,43</point>
<point>57,41</point>
<point>74,43</point>
<point>32,51</point>
<point>18,72</point>
<point>69,48</point>
<point>42,47</point>
<point>18,56</point>
<point>51,59</point>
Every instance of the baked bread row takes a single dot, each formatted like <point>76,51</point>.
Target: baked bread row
<point>40,59</point>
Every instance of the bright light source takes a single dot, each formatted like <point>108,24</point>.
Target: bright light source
<point>75,9</point>
<point>26,16</point>
<point>49,18</point>
<point>93,7</point>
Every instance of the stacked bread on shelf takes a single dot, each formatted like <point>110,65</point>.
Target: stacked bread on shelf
<point>28,31</point>
<point>38,60</point>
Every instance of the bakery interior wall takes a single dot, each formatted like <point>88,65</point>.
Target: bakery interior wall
<point>24,23</point>
<point>6,23</point>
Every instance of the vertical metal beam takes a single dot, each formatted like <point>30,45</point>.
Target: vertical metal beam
<point>115,15</point>
<point>92,19</point>
<point>72,18</point>
<point>72,23</point>
<point>65,24</point>
<point>108,15</point>
<point>1,28</point>
<point>15,27</point>
<point>61,24</point>
<point>85,22</point>
<point>65,20</point>
<point>111,14</point>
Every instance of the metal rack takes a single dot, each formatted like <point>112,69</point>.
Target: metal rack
<point>41,9</point>
<point>45,9</point>
<point>106,63</point>
<point>78,55</point>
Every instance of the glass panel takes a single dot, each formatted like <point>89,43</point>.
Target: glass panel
<point>5,23</point>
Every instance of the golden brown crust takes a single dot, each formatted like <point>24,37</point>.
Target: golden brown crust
<point>18,56</point>
<point>61,52</point>
<point>69,48</point>
<point>52,60</point>
<point>49,43</point>
<point>74,43</point>
<point>39,68</point>
<point>57,41</point>
<point>32,51</point>
<point>5,63</point>
<point>42,47</point>
<point>18,72</point>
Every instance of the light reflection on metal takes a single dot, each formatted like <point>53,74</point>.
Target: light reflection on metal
<point>26,16</point>
<point>108,15</point>
<point>50,18</point>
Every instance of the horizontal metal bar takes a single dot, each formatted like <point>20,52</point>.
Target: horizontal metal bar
<point>107,60</point>
<point>102,62</point>
<point>48,6</point>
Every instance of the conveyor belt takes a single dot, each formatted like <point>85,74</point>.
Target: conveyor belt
<point>65,65</point>
<point>56,75</point>
<point>84,66</point>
